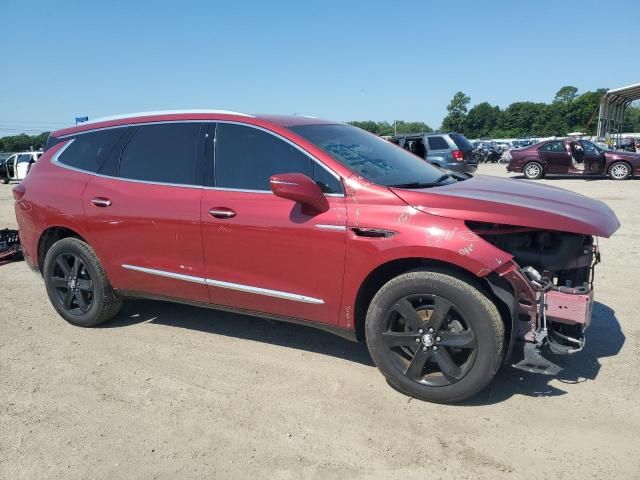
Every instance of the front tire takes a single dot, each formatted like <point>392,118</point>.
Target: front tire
<point>533,171</point>
<point>619,171</point>
<point>434,337</point>
<point>77,285</point>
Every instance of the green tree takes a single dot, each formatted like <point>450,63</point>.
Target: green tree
<point>482,120</point>
<point>23,141</point>
<point>521,119</point>
<point>412,127</point>
<point>386,128</point>
<point>457,108</point>
<point>631,121</point>
<point>582,113</point>
<point>566,94</point>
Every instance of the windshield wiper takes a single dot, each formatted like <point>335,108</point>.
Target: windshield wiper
<point>421,184</point>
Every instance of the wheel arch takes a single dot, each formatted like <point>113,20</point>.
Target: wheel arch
<point>50,236</point>
<point>492,286</point>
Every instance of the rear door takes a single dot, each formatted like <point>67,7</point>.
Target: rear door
<point>144,211</point>
<point>264,253</point>
<point>438,150</point>
<point>555,157</point>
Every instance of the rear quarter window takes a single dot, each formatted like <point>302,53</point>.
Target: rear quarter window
<point>437,143</point>
<point>88,150</point>
<point>461,141</point>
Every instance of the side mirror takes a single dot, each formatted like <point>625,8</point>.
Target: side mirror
<point>299,188</point>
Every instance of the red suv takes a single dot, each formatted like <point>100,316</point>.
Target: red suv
<point>446,276</point>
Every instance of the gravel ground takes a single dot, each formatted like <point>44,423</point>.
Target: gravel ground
<point>170,391</point>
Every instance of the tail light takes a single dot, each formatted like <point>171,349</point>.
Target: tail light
<point>18,192</point>
<point>458,155</point>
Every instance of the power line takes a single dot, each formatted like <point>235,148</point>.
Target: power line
<point>34,122</point>
<point>37,130</point>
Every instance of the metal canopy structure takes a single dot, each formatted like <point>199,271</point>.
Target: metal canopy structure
<point>612,107</point>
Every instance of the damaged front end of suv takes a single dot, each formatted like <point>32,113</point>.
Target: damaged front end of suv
<point>551,276</point>
<point>543,268</point>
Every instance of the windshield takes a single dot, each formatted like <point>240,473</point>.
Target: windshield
<point>372,157</point>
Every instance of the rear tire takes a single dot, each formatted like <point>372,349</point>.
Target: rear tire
<point>4,181</point>
<point>619,171</point>
<point>533,171</point>
<point>434,336</point>
<point>77,285</point>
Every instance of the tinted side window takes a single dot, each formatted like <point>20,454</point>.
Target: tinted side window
<point>246,157</point>
<point>162,153</point>
<point>437,143</point>
<point>589,147</point>
<point>51,141</point>
<point>461,141</point>
<point>325,180</point>
<point>88,151</point>
<point>553,147</point>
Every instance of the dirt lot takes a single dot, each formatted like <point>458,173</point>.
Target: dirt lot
<point>169,391</point>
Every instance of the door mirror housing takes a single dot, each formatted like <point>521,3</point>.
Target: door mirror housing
<point>299,188</point>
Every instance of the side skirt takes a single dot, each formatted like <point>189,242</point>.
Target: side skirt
<point>349,334</point>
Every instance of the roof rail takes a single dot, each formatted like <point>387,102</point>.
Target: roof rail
<point>162,112</point>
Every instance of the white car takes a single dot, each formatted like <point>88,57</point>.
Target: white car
<point>19,164</point>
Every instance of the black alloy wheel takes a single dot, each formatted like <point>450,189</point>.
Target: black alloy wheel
<point>435,335</point>
<point>72,283</point>
<point>429,340</point>
<point>77,284</point>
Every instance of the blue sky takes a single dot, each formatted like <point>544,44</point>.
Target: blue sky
<point>343,60</point>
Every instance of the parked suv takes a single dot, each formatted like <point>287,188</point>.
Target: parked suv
<point>446,150</point>
<point>445,276</point>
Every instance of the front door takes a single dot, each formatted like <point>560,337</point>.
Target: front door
<point>555,157</point>
<point>145,214</point>
<point>594,159</point>
<point>264,253</point>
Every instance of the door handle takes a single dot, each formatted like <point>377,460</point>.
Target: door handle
<point>101,202</point>
<point>221,212</point>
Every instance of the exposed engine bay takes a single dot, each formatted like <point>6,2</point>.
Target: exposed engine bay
<point>552,276</point>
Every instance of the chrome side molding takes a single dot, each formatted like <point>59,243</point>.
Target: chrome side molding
<point>264,291</point>
<point>228,285</point>
<point>162,273</point>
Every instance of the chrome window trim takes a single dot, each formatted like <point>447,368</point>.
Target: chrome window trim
<point>58,163</point>
<point>55,161</point>
<point>228,285</point>
<point>128,125</point>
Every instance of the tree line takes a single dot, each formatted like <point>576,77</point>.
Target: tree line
<point>23,142</point>
<point>568,112</point>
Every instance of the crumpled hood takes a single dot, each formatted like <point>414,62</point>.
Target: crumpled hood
<point>515,202</point>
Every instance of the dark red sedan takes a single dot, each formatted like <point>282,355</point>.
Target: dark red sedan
<point>572,157</point>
